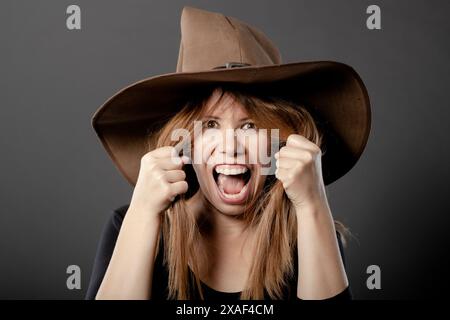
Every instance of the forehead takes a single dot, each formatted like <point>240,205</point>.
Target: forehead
<point>224,106</point>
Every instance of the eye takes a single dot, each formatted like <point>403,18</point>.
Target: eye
<point>248,125</point>
<point>210,124</point>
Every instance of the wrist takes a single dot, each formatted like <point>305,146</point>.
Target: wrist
<point>143,214</point>
<point>312,208</point>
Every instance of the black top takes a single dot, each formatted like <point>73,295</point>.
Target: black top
<point>160,272</point>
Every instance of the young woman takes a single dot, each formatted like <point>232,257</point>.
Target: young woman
<point>215,225</point>
<point>237,232</point>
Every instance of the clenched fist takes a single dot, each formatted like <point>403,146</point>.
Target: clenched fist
<point>299,168</point>
<point>160,180</point>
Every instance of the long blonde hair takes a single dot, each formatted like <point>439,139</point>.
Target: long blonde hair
<point>270,214</point>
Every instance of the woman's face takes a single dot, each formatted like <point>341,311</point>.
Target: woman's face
<point>229,173</point>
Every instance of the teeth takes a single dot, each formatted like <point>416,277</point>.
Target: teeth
<point>231,171</point>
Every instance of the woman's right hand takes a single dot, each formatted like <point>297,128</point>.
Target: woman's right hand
<point>130,270</point>
<point>160,180</point>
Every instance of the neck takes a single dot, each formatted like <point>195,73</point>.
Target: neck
<point>219,225</point>
<point>223,235</point>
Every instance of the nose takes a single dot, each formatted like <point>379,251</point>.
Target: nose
<point>230,146</point>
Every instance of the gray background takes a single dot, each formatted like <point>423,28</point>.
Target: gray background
<point>58,186</point>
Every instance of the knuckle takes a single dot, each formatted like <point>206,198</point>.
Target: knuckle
<point>172,151</point>
<point>152,167</point>
<point>291,138</point>
<point>175,160</point>
<point>279,176</point>
<point>146,158</point>
<point>316,149</point>
<point>159,175</point>
<point>309,156</point>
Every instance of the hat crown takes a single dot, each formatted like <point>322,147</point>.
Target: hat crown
<point>210,40</point>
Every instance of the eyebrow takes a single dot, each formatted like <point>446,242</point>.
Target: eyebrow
<point>219,118</point>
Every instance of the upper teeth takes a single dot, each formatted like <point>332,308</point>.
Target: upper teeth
<point>231,171</point>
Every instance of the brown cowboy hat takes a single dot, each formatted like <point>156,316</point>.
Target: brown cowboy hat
<point>221,50</point>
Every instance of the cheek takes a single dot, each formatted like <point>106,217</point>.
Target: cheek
<point>200,172</point>
<point>262,179</point>
<point>202,176</point>
<point>263,145</point>
<point>259,150</point>
<point>204,146</point>
<point>204,182</point>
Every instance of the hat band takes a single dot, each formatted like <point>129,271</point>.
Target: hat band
<point>230,65</point>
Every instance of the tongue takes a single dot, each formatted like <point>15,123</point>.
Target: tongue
<point>231,184</point>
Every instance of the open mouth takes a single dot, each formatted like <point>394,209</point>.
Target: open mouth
<point>232,181</point>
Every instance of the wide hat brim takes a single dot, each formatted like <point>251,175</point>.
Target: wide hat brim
<point>332,91</point>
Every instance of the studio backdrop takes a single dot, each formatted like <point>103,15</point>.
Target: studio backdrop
<point>61,60</point>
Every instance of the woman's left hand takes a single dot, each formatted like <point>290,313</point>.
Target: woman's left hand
<point>321,273</point>
<point>299,168</point>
